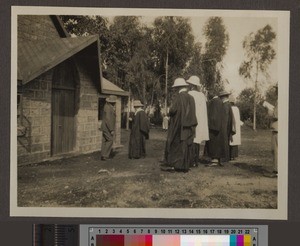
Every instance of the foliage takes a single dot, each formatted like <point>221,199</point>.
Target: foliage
<point>259,53</point>
<point>245,101</point>
<point>194,65</point>
<point>83,25</point>
<point>173,40</point>
<point>134,56</point>
<point>125,34</point>
<point>217,40</point>
<point>272,95</point>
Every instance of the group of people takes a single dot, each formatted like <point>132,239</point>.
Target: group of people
<point>139,125</point>
<point>195,123</point>
<point>193,126</point>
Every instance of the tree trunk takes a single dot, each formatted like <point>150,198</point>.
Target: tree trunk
<point>128,110</point>
<point>255,98</point>
<point>166,87</point>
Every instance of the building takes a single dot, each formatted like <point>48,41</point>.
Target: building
<point>60,91</point>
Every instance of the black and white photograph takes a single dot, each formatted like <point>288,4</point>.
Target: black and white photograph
<point>149,113</point>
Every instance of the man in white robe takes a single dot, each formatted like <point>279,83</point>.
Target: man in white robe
<point>201,131</point>
<point>236,138</point>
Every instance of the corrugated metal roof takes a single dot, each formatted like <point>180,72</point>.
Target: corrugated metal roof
<point>35,58</point>
<point>110,88</point>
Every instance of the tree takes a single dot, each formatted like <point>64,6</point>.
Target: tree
<point>172,46</point>
<point>259,53</point>
<point>125,33</point>
<point>245,101</point>
<point>140,75</point>
<point>84,25</point>
<point>271,95</point>
<point>194,65</point>
<point>216,45</point>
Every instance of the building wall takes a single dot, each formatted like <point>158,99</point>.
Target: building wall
<point>34,142</point>
<point>35,145</point>
<point>87,126</point>
<point>34,127</point>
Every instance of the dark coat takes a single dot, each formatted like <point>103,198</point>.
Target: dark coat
<point>139,133</point>
<point>220,124</point>
<point>181,131</point>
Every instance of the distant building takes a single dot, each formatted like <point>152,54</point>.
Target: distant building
<point>60,91</point>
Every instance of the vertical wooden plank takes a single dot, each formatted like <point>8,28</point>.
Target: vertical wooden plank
<point>63,110</point>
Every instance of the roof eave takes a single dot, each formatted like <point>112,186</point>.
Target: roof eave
<point>60,59</point>
<point>117,93</point>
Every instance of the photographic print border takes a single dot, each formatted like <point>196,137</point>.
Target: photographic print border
<point>283,99</point>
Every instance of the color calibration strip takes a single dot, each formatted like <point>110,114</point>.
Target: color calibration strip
<point>174,240</point>
<point>174,236</point>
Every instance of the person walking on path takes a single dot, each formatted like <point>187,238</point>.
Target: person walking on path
<point>236,138</point>
<point>181,130</point>
<point>201,131</point>
<point>108,127</point>
<point>214,146</point>
<point>273,113</point>
<point>165,122</point>
<point>220,128</point>
<point>139,132</point>
<point>227,123</point>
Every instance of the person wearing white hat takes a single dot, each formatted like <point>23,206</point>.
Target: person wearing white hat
<point>139,132</point>
<point>108,127</point>
<point>181,129</point>
<point>201,131</point>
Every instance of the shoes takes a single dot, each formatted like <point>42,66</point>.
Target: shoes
<point>104,158</point>
<point>270,175</point>
<point>167,169</point>
<point>211,164</point>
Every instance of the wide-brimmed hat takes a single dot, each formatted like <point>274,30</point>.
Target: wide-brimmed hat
<point>194,80</point>
<point>179,82</point>
<point>137,103</point>
<point>224,93</point>
<point>111,99</point>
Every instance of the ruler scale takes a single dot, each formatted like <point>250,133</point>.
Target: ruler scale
<point>181,235</point>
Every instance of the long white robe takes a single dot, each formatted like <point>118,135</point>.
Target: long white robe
<point>201,133</point>
<point>236,138</point>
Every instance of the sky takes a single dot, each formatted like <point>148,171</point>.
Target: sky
<point>238,28</point>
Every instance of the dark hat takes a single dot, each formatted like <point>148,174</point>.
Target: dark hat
<point>111,99</point>
<point>224,93</point>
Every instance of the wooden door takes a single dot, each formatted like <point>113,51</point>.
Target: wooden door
<point>63,110</point>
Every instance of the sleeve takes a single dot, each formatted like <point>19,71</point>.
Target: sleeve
<point>144,124</point>
<point>110,118</point>
<point>214,115</point>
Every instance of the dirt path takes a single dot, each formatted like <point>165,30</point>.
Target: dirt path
<point>85,181</point>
